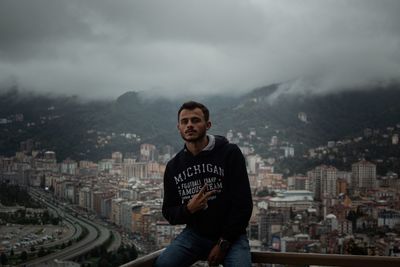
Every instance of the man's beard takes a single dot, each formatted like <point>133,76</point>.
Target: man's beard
<point>196,139</point>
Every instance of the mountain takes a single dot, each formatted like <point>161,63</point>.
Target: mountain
<point>92,130</point>
<point>329,117</point>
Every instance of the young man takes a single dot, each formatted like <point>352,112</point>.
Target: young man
<point>207,188</point>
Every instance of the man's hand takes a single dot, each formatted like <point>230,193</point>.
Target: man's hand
<point>199,201</point>
<point>216,256</point>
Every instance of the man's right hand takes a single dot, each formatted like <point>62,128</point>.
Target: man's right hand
<point>199,201</point>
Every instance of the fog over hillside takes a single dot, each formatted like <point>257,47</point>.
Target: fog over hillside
<point>100,49</point>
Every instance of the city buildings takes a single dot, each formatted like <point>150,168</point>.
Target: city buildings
<point>325,210</point>
<point>363,175</point>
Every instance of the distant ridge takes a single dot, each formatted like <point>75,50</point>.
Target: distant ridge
<point>72,127</point>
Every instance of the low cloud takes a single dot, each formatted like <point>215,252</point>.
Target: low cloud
<point>101,49</point>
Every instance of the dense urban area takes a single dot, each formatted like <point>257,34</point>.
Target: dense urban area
<point>324,210</point>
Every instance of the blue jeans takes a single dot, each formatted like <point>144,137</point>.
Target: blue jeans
<point>188,247</point>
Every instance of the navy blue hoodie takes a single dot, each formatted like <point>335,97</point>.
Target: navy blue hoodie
<point>223,168</point>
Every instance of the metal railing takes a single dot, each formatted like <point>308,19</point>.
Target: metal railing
<point>297,259</point>
<point>146,261</point>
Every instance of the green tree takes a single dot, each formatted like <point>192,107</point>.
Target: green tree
<point>352,216</point>
<point>114,259</point>
<point>3,259</point>
<point>41,252</point>
<point>121,249</point>
<point>124,258</point>
<point>133,254</point>
<point>104,263</point>
<point>95,252</point>
<point>103,249</point>
<point>24,255</point>
<point>265,192</point>
<point>55,220</point>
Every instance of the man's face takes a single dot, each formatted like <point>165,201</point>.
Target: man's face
<point>192,125</point>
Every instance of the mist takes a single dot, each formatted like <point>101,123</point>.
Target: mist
<point>98,49</point>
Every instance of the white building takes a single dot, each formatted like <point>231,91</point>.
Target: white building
<point>395,139</point>
<point>126,214</point>
<point>116,210</point>
<point>390,218</point>
<point>363,175</point>
<point>69,167</point>
<point>288,151</point>
<point>295,199</point>
<point>253,162</point>
<point>298,182</point>
<point>148,152</point>
<point>85,198</point>
<point>105,165</point>
<point>117,157</point>
<point>323,181</point>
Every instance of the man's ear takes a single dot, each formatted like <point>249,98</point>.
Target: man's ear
<point>208,125</point>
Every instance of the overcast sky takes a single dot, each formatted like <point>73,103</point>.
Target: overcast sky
<point>101,49</point>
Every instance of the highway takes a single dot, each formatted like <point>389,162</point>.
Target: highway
<point>97,234</point>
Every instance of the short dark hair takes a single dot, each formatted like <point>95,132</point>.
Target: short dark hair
<point>191,105</point>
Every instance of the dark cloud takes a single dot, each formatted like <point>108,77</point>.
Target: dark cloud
<point>99,48</point>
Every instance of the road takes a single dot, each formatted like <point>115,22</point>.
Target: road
<point>97,234</point>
